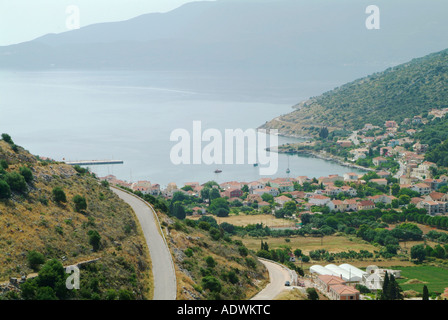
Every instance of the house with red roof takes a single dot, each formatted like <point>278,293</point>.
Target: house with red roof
<point>233,193</point>
<point>437,196</point>
<point>433,208</point>
<point>343,292</point>
<point>421,188</point>
<point>318,200</point>
<point>337,205</point>
<point>325,281</point>
<point>262,204</point>
<point>269,190</point>
<point>282,200</point>
<point>366,205</point>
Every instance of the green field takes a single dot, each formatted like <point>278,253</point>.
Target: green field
<point>413,278</point>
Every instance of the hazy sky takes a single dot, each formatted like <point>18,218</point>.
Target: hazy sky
<point>23,20</point>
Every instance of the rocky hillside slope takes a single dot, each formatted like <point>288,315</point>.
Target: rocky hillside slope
<point>52,211</point>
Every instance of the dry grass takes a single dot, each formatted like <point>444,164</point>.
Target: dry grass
<point>57,230</point>
<point>244,220</point>
<point>423,227</point>
<point>332,244</point>
<point>227,258</point>
<point>291,294</point>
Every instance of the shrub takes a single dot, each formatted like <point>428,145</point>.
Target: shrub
<point>191,223</point>
<point>125,295</point>
<point>45,293</point>
<point>204,225</point>
<point>52,275</point>
<point>211,283</point>
<point>312,294</point>
<point>218,203</point>
<point>105,183</point>
<point>26,173</point>
<point>211,263</point>
<point>189,252</point>
<point>80,170</point>
<point>94,239</point>
<point>251,263</point>
<point>59,195</point>
<point>7,138</point>
<point>179,226</point>
<point>35,259</point>
<point>362,289</point>
<point>178,210</point>
<point>243,251</point>
<point>227,227</point>
<point>80,203</point>
<point>232,277</point>
<point>215,233</point>
<point>222,212</point>
<point>111,294</point>
<point>16,182</point>
<point>4,164</point>
<point>59,230</point>
<point>5,190</point>
<point>43,200</point>
<point>264,254</point>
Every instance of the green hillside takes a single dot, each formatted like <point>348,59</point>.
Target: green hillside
<point>54,215</point>
<point>397,93</point>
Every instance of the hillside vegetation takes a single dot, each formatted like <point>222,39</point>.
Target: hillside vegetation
<point>435,135</point>
<point>397,93</point>
<point>210,263</point>
<point>52,214</point>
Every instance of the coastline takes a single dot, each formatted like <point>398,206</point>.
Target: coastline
<point>285,135</point>
<point>325,157</point>
<point>319,155</point>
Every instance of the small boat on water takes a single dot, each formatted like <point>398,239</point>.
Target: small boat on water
<point>218,171</point>
<point>255,164</point>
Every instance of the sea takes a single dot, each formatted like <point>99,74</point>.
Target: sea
<point>127,115</point>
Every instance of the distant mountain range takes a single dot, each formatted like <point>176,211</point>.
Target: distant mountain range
<point>280,40</point>
<point>397,93</point>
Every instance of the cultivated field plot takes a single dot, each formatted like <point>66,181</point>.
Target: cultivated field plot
<point>307,244</point>
<point>413,278</point>
<point>244,220</point>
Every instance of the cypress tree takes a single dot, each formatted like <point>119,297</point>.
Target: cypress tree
<point>425,293</point>
<point>266,246</point>
<point>385,293</point>
<point>392,288</point>
<point>397,290</point>
<point>323,133</point>
<point>178,210</point>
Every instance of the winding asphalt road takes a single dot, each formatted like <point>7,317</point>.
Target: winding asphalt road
<point>278,275</point>
<point>162,261</point>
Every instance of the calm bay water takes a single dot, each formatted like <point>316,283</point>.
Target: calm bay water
<point>130,116</point>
